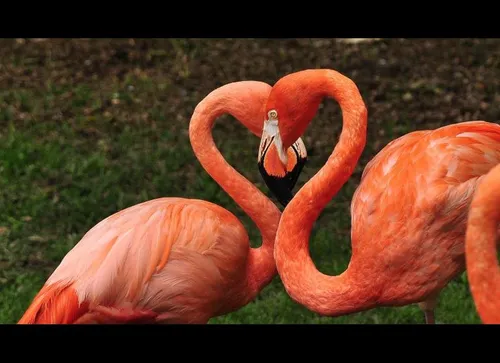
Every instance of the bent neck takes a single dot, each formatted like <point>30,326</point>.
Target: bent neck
<point>481,248</point>
<point>263,212</point>
<point>326,295</point>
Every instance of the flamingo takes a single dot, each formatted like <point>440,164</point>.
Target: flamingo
<point>408,215</point>
<point>173,260</point>
<point>480,247</point>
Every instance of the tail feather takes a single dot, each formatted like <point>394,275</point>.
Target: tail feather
<point>54,304</point>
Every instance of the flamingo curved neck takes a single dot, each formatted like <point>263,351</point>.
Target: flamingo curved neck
<point>263,212</point>
<point>481,248</point>
<point>326,295</point>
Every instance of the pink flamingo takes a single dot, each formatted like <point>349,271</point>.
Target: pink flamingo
<point>481,247</point>
<point>408,213</point>
<point>173,260</point>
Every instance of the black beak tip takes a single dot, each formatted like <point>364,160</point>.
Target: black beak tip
<point>284,201</point>
<point>281,188</point>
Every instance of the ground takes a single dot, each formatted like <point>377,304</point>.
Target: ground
<point>89,127</point>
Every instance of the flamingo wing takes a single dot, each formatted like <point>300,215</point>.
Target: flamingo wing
<point>461,155</point>
<point>120,263</point>
<point>431,173</point>
<point>392,148</point>
<point>425,165</point>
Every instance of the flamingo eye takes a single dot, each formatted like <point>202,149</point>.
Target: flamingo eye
<point>273,115</point>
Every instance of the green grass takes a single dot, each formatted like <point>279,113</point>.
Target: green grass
<point>67,184</point>
<point>71,154</point>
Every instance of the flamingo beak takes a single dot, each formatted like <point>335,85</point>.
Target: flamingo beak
<point>280,168</point>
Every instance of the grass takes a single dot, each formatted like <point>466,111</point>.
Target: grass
<point>91,127</point>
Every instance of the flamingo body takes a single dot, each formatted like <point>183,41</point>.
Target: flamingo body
<point>122,263</point>
<point>410,209</point>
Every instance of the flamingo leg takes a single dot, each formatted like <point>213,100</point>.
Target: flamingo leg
<point>429,317</point>
<point>428,306</point>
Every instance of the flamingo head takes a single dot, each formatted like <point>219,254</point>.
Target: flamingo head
<point>280,177</point>
<point>291,105</point>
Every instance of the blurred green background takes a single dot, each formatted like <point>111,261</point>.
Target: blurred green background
<point>89,127</point>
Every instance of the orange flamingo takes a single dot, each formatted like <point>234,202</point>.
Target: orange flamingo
<point>481,247</point>
<point>173,260</point>
<point>408,214</point>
